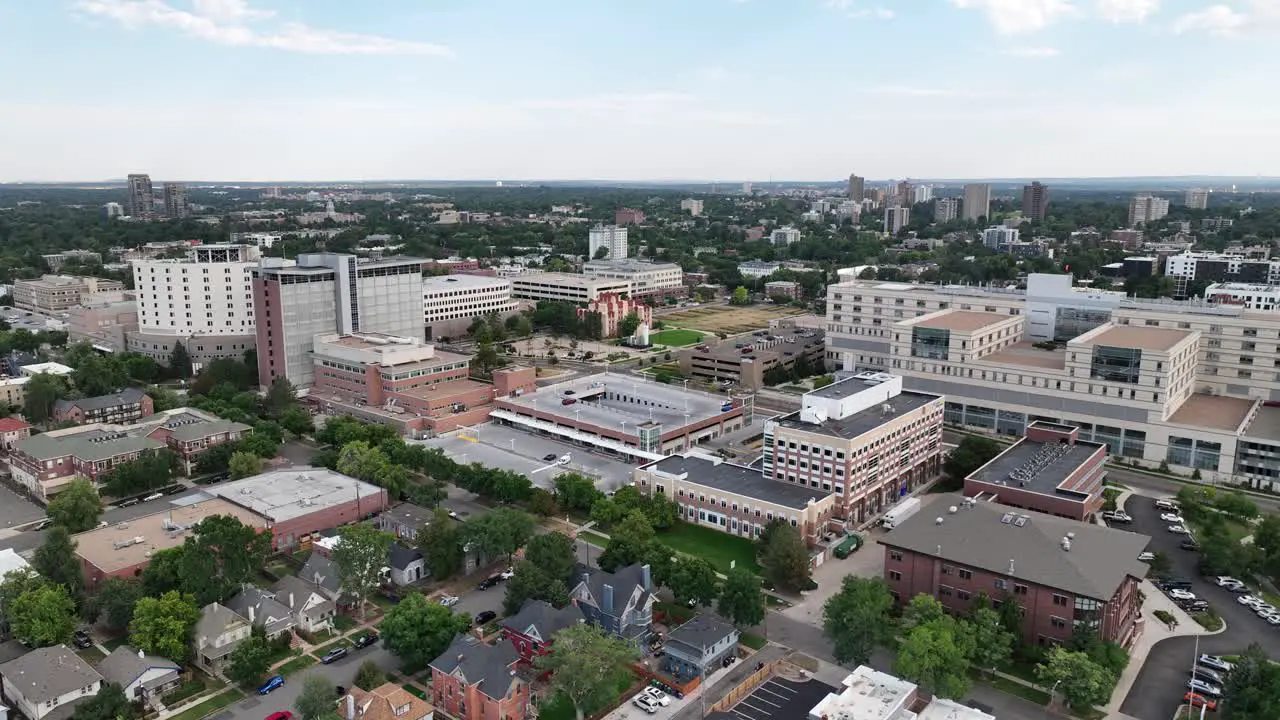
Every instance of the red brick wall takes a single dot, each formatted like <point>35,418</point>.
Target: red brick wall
<point>287,532</point>
<point>270,330</point>
<point>509,380</point>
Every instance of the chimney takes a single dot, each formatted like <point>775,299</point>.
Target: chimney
<point>607,599</point>
<point>251,614</point>
<point>142,655</point>
<point>645,577</point>
<point>1010,566</point>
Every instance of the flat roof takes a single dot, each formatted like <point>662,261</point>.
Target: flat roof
<point>286,494</point>
<point>628,265</point>
<point>440,391</point>
<point>1025,354</point>
<point>563,279</point>
<point>149,534</point>
<point>1141,338</point>
<point>961,320</point>
<point>444,283</point>
<point>1265,424</point>
<point>1213,411</point>
<point>621,402</point>
<point>369,341</point>
<point>1060,461</point>
<point>727,350</point>
<point>736,479</point>
<point>862,422</point>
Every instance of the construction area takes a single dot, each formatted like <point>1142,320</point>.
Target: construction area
<point>729,319</point>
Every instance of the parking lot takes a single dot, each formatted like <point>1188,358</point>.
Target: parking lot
<point>781,699</point>
<point>1158,690</point>
<point>518,451</point>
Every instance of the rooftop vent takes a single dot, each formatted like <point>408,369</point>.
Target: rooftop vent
<point>953,509</point>
<point>1022,520</point>
<point>1007,518</point>
<point>937,521</point>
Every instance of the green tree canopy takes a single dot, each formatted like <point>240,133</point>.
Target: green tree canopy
<point>440,542</point>
<point>243,465</point>
<point>109,703</point>
<point>553,554</point>
<point>785,558</point>
<point>741,599</point>
<point>315,700</point>
<point>41,393</point>
<point>501,531</point>
<point>249,662</point>
<point>162,625</point>
<point>417,630</point>
<point>586,666</point>
<point>935,655</point>
<point>693,579</point>
<point>43,615</point>
<point>55,559</point>
<point>857,618</point>
<point>1082,682</point>
<point>77,508</point>
<point>115,601</point>
<point>360,556</point>
<point>369,676</point>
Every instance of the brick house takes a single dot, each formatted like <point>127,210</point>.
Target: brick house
<point>474,681</point>
<point>1062,573</point>
<point>125,407</point>
<point>387,702</point>
<point>532,629</point>
<point>12,430</point>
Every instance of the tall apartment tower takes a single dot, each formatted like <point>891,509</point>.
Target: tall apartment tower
<point>977,201</point>
<point>612,237</point>
<point>1035,201</point>
<point>857,186</point>
<point>922,193</point>
<point>905,193</point>
<point>1146,208</point>
<point>896,218</point>
<point>175,200</point>
<point>140,201</point>
<point>1197,199</point>
<point>945,209</point>
<point>326,293</point>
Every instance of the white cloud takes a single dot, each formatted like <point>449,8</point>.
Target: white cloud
<point>1038,53</point>
<point>1215,19</point>
<point>856,10</point>
<point>228,22</point>
<point>1122,11</point>
<point>1011,17</point>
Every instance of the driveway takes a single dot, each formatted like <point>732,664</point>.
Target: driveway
<point>1159,687</point>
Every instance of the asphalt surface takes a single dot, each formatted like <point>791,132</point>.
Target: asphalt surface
<point>256,707</point>
<point>16,509</point>
<point>523,452</point>
<point>1158,690</point>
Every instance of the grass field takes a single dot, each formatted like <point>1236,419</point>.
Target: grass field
<point>296,664</point>
<point>675,338</point>
<point>720,549</point>
<point>727,319</point>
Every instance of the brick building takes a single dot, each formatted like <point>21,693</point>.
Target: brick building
<point>474,681</point>
<point>1051,470</point>
<point>628,216</point>
<point>612,309</point>
<point>532,630</point>
<point>12,430</point>
<point>127,406</point>
<point>1064,574</point>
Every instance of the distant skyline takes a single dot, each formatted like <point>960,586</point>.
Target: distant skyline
<point>688,90</point>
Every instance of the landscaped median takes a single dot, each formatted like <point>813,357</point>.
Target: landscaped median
<point>299,663</point>
<point>210,706</point>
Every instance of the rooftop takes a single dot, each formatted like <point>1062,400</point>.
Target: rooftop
<point>1213,411</point>
<point>627,265</point>
<point>959,320</point>
<point>444,283</point>
<point>133,542</point>
<point>48,673</point>
<point>1141,338</point>
<point>737,479</point>
<point>476,663</point>
<point>620,401</point>
<point>761,350</point>
<point>701,632</point>
<point>1039,467</point>
<point>860,423</point>
<point>560,279</point>
<point>1027,546</point>
<point>867,695</point>
<point>128,396</point>
<point>1026,354</point>
<point>372,341</point>
<point>286,494</point>
<point>1265,423</point>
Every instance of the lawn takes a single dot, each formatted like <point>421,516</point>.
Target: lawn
<point>675,338</point>
<point>755,642</point>
<point>210,706</point>
<point>296,664</point>
<point>560,708</point>
<point>593,538</point>
<point>343,623</point>
<point>1016,689</point>
<point>189,689</point>
<point>720,549</point>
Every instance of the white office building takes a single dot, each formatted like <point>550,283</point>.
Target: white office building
<point>451,302</point>
<point>1249,296</point>
<point>1147,208</point>
<point>113,210</point>
<point>610,237</point>
<point>1196,199</point>
<point>945,210</point>
<point>580,289</point>
<point>896,218</point>
<point>922,193</point>
<point>994,237</point>
<point>644,279</point>
<point>785,236</point>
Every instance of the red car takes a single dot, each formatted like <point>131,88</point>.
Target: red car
<point>282,715</point>
<point>1197,700</point>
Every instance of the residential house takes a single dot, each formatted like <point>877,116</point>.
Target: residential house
<point>145,678</point>
<point>125,407</point>
<point>262,610</point>
<point>46,683</point>
<point>311,610</point>
<point>407,564</point>
<point>12,430</point>
<point>620,602</point>
<point>387,702</point>
<point>699,646</point>
<point>404,520</point>
<point>532,629</point>
<point>217,633</point>
<point>474,681</point>
<point>320,571</point>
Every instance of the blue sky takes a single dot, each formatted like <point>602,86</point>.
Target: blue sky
<point>636,89</point>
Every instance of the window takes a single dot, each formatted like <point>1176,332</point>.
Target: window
<point>1057,622</point>
<point>1019,589</point>
<point>962,594</point>
<point>1060,600</point>
<point>965,574</point>
<point>895,555</point>
<point>895,575</point>
<point>1001,584</point>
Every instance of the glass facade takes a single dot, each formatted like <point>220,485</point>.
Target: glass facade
<point>1073,322</point>
<point>930,343</point>
<point>1180,451</point>
<point>1011,423</point>
<point>1116,364</point>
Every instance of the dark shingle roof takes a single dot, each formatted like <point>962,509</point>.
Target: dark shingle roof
<point>124,665</point>
<point>399,556</point>
<point>541,620</point>
<point>623,581</point>
<point>1098,561</point>
<point>488,666</point>
<point>700,633</point>
<point>321,571</point>
<point>128,396</point>
<point>47,673</point>
<point>262,607</point>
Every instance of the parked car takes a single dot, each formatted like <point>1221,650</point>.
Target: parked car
<point>334,655</point>
<point>153,496</point>
<point>1180,594</point>
<point>1195,606</point>
<point>1178,529</point>
<point>487,583</point>
<point>507,574</point>
<point>568,401</point>
<point>274,683</point>
<point>1146,556</point>
<point>127,503</point>
<point>1207,675</point>
<point>82,639</point>
<point>1201,687</point>
<point>485,616</point>
<point>1214,662</point>
<point>1172,518</point>
<point>1223,580</point>
<point>1170,583</point>
<point>549,457</point>
<point>43,524</point>
<point>365,640</point>
<point>449,600</point>
<point>658,696</point>
<point>645,703</point>
<point>1250,600</point>
<point>1189,544</point>
<point>1195,700</point>
<point>1167,505</point>
<point>1118,516</point>
<point>280,715</point>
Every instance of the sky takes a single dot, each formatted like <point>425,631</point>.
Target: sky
<point>714,90</point>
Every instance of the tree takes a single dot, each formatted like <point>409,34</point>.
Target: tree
<point>542,503</point>
<point>586,666</point>
<point>693,579</point>
<point>99,375</point>
<point>162,626</point>
<point>417,630</point>
<point>972,453</point>
<point>662,512</point>
<point>920,610</point>
<point>365,462</point>
<point>576,492</point>
<point>42,616</point>
<point>607,512</point>
<point>785,559</point>
<point>223,555</point>
<point>857,618</point>
<point>440,542</point>
<point>1082,682</point>
<point>1011,616</point>
<point>315,700</point>
<point>77,508</point>
<point>627,542</point>
<point>360,556</point>
<point>369,676</point>
<point>992,643</point>
<point>628,324</point>
<point>41,392</point>
<point>150,470</point>
<point>1253,688</point>
<point>55,559</point>
<point>180,361</point>
<point>249,661</point>
<point>297,420</point>
<point>280,396</point>
<point>115,600</point>
<point>533,583</point>
<point>741,599</point>
<point>935,655</point>
<point>501,531</point>
<point>553,554</point>
<point>243,465</point>
<point>109,704</point>
<point>740,296</point>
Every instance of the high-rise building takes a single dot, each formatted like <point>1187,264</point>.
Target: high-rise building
<point>1146,208</point>
<point>994,237</point>
<point>977,201</point>
<point>113,209</point>
<point>1197,199</point>
<point>610,237</point>
<point>904,193</point>
<point>922,193</point>
<point>857,186</point>
<point>325,293</point>
<point>141,200</point>
<point>945,209</point>
<point>785,236</point>
<point>746,188</point>
<point>896,218</point>
<point>175,200</point>
<point>451,302</point>
<point>1035,201</point>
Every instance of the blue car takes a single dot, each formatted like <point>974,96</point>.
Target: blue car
<point>273,683</point>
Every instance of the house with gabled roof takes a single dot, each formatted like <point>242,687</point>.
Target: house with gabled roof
<point>532,630</point>
<point>474,681</point>
<point>619,602</point>
<point>263,610</point>
<point>144,678</point>
<point>386,702</point>
<point>46,683</point>
<point>218,631</point>
<point>311,610</point>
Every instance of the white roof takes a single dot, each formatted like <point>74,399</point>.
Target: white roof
<point>10,561</point>
<point>52,368</point>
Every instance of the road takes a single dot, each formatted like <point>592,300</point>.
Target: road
<point>1159,686</point>
<point>341,673</point>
